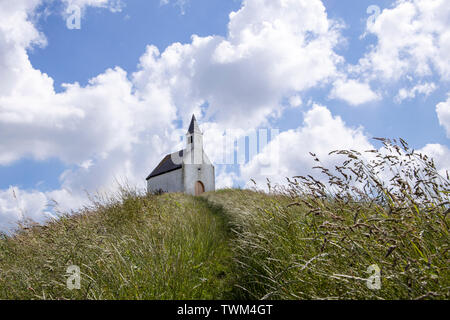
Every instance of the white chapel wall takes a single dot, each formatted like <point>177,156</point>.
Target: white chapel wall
<point>169,182</point>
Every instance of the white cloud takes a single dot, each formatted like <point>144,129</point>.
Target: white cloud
<point>181,4</point>
<point>225,179</point>
<point>443,112</point>
<point>273,48</point>
<point>24,205</point>
<point>425,89</point>
<point>353,92</point>
<point>440,155</point>
<point>104,130</point>
<point>15,205</point>
<point>413,39</point>
<point>320,133</point>
<point>295,101</point>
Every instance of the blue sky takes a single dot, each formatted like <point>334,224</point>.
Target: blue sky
<point>82,107</point>
<point>109,39</point>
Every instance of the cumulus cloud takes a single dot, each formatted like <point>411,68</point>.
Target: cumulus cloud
<point>320,133</point>
<point>179,3</point>
<point>425,89</point>
<point>272,49</point>
<point>295,101</point>
<point>443,112</point>
<point>225,179</point>
<point>353,92</point>
<point>103,124</point>
<point>413,39</point>
<point>17,205</point>
<point>440,155</point>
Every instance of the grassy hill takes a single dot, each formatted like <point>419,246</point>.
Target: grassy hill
<point>305,241</point>
<point>225,245</point>
<point>136,247</point>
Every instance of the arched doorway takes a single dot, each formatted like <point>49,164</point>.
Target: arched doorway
<point>199,188</point>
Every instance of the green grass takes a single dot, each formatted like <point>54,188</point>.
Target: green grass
<point>230,244</point>
<point>308,240</point>
<point>141,247</point>
<point>285,251</point>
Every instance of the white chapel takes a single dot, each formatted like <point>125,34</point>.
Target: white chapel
<point>188,170</point>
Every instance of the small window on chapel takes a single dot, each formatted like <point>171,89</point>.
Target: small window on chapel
<point>191,139</point>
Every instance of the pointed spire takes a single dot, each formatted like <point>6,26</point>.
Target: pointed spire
<point>193,127</point>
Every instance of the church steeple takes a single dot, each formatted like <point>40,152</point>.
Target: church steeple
<point>194,139</point>
<point>193,127</point>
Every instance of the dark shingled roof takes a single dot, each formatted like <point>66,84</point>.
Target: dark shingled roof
<point>191,126</point>
<point>166,165</point>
